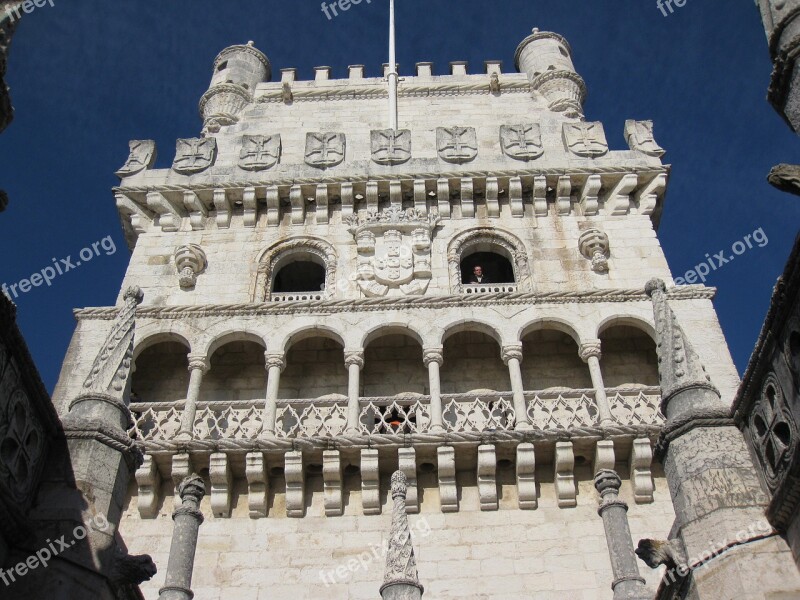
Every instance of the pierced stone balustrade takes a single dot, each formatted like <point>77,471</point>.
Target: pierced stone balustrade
<point>491,288</point>
<point>297,296</point>
<point>405,414</point>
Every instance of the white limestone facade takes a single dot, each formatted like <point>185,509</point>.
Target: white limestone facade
<point>309,326</point>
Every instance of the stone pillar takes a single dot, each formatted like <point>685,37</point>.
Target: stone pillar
<point>198,366</point>
<point>628,584</point>
<point>400,581</point>
<point>433,359</point>
<point>591,354</point>
<point>512,356</point>
<point>275,363</point>
<point>188,519</point>
<point>354,362</point>
<point>713,482</point>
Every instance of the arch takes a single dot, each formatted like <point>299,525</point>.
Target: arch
<point>315,367</point>
<point>461,325</point>
<point>155,333</point>
<point>478,238</point>
<point>232,335</point>
<point>472,361</point>
<point>629,354</point>
<point>392,328</point>
<point>162,369</point>
<point>634,321</point>
<point>271,259</point>
<point>555,323</point>
<point>305,332</point>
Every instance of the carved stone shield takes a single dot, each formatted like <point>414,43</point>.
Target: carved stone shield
<point>522,142</point>
<point>394,261</point>
<point>260,152</point>
<point>142,156</point>
<point>640,137</point>
<point>195,155</point>
<point>390,146</point>
<point>457,144</point>
<point>325,149</point>
<point>585,139</point>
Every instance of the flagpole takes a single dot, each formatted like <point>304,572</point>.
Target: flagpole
<point>392,75</point>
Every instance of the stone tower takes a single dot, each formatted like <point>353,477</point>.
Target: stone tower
<point>314,319</point>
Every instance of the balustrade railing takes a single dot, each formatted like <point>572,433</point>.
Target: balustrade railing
<point>489,288</point>
<point>297,296</point>
<point>398,415</point>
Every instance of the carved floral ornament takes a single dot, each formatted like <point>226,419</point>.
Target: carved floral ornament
<point>394,251</point>
<point>21,446</point>
<point>270,259</point>
<point>774,432</point>
<point>508,244</point>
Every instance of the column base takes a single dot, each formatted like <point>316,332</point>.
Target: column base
<point>437,429</point>
<point>523,426</point>
<point>184,436</point>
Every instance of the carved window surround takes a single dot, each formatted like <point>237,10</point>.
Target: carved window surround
<point>282,253</point>
<point>493,239</point>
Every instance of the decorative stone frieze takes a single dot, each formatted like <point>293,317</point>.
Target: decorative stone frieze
<point>640,137</point>
<point>324,150</point>
<point>394,248</point>
<point>194,155</point>
<point>585,139</point>
<point>142,156</point>
<point>457,144</point>
<point>522,142</point>
<point>260,152</point>
<point>594,245</point>
<point>190,261</point>
<point>391,147</point>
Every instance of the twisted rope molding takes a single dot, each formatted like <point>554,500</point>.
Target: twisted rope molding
<point>368,92</point>
<point>431,175</point>
<point>378,304</point>
<point>416,440</point>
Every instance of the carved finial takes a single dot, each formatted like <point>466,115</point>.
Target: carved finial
<point>192,487</point>
<point>251,43</point>
<point>401,564</point>
<point>112,366</point>
<point>535,30</point>
<point>679,366</point>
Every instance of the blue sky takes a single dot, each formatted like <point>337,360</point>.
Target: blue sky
<point>87,77</point>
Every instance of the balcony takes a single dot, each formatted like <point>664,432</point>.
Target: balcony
<point>406,415</point>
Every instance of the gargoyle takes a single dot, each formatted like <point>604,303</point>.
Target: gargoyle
<point>786,178</point>
<point>655,553</point>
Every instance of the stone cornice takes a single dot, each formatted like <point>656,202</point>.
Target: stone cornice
<point>318,307</point>
<point>364,175</point>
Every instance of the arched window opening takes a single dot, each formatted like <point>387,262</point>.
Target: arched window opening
<point>494,268</point>
<point>299,276</point>
<point>393,365</point>
<point>629,357</point>
<point>161,374</point>
<point>472,361</point>
<point>237,372</point>
<point>552,360</point>
<point>314,367</point>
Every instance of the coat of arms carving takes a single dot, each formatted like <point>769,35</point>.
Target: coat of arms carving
<point>522,142</point>
<point>260,152</point>
<point>195,155</point>
<point>391,146</point>
<point>585,139</point>
<point>639,135</point>
<point>142,156</point>
<point>325,149</point>
<point>394,251</point>
<point>457,144</point>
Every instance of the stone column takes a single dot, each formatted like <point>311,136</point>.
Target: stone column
<point>198,366</point>
<point>354,362</point>
<point>628,584</point>
<point>275,363</point>
<point>512,356</point>
<point>433,359</point>
<point>188,519</point>
<point>591,354</point>
<point>400,580</point>
<point>713,481</point>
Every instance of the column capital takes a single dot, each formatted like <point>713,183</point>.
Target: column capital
<point>199,362</point>
<point>354,357</point>
<point>275,359</point>
<point>512,351</point>
<point>433,355</point>
<point>591,349</point>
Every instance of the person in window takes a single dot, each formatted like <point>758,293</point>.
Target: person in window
<point>478,278</point>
